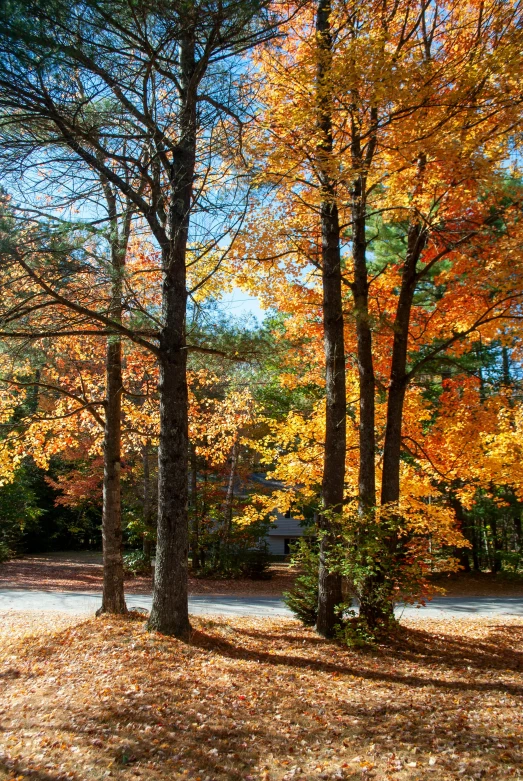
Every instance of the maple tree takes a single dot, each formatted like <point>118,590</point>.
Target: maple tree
<point>426,220</point>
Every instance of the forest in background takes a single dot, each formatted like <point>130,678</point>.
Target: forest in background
<point>355,166</point>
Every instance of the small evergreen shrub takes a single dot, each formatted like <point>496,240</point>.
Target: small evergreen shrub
<point>303,598</point>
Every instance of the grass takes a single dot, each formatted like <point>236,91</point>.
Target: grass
<point>258,699</point>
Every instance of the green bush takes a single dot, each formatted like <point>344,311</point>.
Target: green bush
<point>256,563</point>
<point>18,512</point>
<point>303,599</point>
<point>136,563</point>
<point>236,561</point>
<point>5,552</point>
<point>512,561</point>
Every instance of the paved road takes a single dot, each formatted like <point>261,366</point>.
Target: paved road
<point>87,602</point>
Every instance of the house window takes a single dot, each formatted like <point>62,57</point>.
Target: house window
<point>287,544</point>
<point>288,513</point>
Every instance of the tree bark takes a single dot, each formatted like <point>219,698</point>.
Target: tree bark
<point>376,602</point>
<point>461,553</point>
<point>360,288</point>
<point>505,360</point>
<point>229,497</point>
<point>329,583</point>
<point>113,599</point>
<point>390,487</point>
<point>169,612</point>
<point>495,559</point>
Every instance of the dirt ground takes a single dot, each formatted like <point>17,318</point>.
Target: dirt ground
<point>82,571</point>
<point>258,700</point>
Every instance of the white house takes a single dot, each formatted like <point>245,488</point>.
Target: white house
<point>282,533</point>
<point>284,530</point>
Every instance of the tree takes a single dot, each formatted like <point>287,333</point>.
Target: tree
<point>20,308</point>
<point>329,585</point>
<point>139,95</point>
<point>406,80</point>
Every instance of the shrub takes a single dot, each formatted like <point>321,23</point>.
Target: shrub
<point>256,563</point>
<point>5,552</point>
<point>19,511</point>
<point>303,598</point>
<point>236,561</point>
<point>136,563</point>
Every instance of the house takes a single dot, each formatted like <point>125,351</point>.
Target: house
<point>282,533</point>
<point>285,529</point>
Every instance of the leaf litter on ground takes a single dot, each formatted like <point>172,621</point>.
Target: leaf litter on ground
<point>257,700</point>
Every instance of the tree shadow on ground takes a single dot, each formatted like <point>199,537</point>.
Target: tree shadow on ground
<point>193,707</point>
<point>415,646</point>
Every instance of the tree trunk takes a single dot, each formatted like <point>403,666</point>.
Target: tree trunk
<point>169,612</point>
<point>229,497</point>
<point>367,436</point>
<point>476,547</point>
<point>495,559</point>
<point>367,384</point>
<point>329,583</point>
<point>113,599</point>
<point>461,553</point>
<point>517,529</point>
<point>506,366</point>
<point>390,487</point>
<point>376,598</point>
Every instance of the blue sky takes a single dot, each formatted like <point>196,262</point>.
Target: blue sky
<point>239,303</point>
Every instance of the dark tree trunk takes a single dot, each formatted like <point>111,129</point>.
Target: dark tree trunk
<point>506,366</point>
<point>461,553</point>
<point>476,547</point>
<point>495,559</point>
<point>330,591</point>
<point>367,436</point>
<point>517,529</point>
<point>390,487</point>
<point>113,599</point>
<point>169,613</point>
<point>367,383</point>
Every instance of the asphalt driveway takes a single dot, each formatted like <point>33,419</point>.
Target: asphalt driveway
<point>86,603</point>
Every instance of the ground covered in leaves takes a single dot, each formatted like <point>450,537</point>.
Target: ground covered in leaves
<point>82,571</point>
<point>257,699</point>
